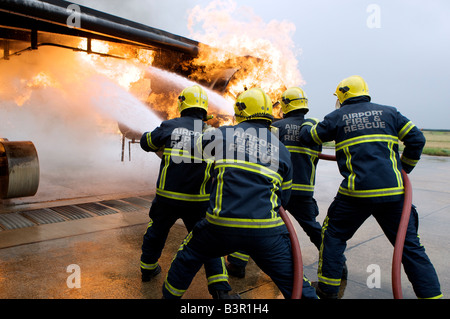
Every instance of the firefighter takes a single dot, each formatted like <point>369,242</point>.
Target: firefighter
<point>367,140</point>
<point>252,178</point>
<point>183,186</point>
<point>302,205</point>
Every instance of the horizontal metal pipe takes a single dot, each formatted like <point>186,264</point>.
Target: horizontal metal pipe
<point>56,12</point>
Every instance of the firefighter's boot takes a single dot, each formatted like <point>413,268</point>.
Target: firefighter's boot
<point>223,294</point>
<point>235,271</point>
<point>148,274</point>
<point>321,294</point>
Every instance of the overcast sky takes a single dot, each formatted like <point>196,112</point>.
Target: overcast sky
<point>401,47</point>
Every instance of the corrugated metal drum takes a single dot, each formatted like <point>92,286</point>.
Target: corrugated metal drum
<point>19,169</point>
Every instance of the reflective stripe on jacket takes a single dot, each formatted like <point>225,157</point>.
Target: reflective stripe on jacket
<point>252,177</point>
<point>304,158</point>
<point>183,175</point>
<point>367,139</point>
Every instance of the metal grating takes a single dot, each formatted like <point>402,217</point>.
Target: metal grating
<point>97,209</point>
<point>71,212</point>
<point>138,201</point>
<point>119,205</point>
<point>14,221</point>
<point>44,216</point>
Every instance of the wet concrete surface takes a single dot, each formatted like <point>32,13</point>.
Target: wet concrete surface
<point>37,260</point>
<point>107,250</point>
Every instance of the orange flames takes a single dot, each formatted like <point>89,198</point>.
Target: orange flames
<point>40,80</point>
<point>237,37</point>
<point>164,104</point>
<point>123,72</point>
<point>258,54</point>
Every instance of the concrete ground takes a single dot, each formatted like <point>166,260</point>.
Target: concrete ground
<point>96,232</point>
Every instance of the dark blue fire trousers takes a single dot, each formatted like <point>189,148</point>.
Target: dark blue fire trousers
<point>345,217</point>
<point>272,253</point>
<point>163,216</point>
<point>305,210</point>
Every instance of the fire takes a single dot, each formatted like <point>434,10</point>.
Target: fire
<point>132,73</point>
<point>124,72</point>
<point>128,70</point>
<point>164,104</point>
<point>263,55</point>
<point>236,36</point>
<point>260,54</point>
<point>40,80</point>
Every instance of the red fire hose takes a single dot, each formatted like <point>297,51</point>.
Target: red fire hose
<point>400,240</point>
<point>297,256</point>
<point>327,157</point>
<point>401,233</point>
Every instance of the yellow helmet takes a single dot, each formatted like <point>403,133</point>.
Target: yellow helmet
<point>351,87</point>
<point>252,105</point>
<point>193,96</point>
<point>294,99</point>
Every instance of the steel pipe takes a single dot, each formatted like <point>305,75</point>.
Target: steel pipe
<point>55,14</point>
<point>19,169</point>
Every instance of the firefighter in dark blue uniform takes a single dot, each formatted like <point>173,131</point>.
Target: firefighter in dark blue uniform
<point>252,179</point>
<point>302,205</point>
<point>367,140</point>
<point>183,186</point>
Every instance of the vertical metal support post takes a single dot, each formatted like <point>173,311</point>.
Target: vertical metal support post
<point>129,150</point>
<point>89,45</point>
<point>6,49</point>
<point>123,146</point>
<point>34,39</point>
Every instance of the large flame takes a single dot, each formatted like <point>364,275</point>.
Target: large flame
<point>125,73</point>
<point>263,55</point>
<point>264,52</point>
<point>40,80</point>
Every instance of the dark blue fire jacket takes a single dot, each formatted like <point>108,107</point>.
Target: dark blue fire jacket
<point>252,178</point>
<point>304,158</point>
<point>184,177</point>
<point>367,139</point>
